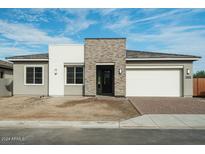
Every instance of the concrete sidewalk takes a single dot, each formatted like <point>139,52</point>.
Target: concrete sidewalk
<point>59,124</point>
<point>149,121</point>
<point>166,121</point>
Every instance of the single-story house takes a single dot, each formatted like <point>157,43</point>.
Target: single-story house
<point>103,66</point>
<point>6,70</point>
<point>6,78</point>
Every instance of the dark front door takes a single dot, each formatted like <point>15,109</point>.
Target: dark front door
<point>105,79</point>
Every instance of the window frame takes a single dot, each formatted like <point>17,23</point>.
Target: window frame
<point>80,84</point>
<point>33,84</point>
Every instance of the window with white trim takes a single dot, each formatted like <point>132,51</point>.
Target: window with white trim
<point>74,75</point>
<point>34,75</point>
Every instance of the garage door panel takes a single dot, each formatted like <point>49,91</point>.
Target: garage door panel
<point>165,83</point>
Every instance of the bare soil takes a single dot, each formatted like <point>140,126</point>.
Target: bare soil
<point>65,108</point>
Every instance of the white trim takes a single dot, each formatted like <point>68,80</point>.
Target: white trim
<point>73,84</point>
<point>153,66</point>
<point>34,84</point>
<point>65,76</point>
<point>73,64</point>
<point>27,59</point>
<point>105,63</point>
<point>148,59</point>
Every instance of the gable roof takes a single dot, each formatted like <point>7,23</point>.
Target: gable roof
<point>5,64</point>
<point>130,55</point>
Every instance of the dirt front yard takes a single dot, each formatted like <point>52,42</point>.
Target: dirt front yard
<point>65,108</point>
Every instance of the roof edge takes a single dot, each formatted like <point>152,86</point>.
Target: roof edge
<point>162,59</point>
<point>190,56</point>
<point>13,60</point>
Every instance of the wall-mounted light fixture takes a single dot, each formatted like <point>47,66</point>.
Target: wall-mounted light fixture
<point>55,71</point>
<point>120,71</point>
<point>188,71</point>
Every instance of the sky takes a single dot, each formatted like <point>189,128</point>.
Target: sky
<point>29,31</point>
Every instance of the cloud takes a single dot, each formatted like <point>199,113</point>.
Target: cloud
<point>166,30</point>
<point>172,35</point>
<point>13,51</point>
<point>28,15</point>
<point>28,34</point>
<point>78,22</point>
<point>18,38</point>
<point>75,20</point>
<point>124,20</point>
<point>105,12</point>
<point>120,24</point>
<point>77,25</point>
<point>160,16</point>
<point>163,30</point>
<point>175,39</point>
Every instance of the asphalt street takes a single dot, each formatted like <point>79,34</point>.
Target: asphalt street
<point>74,136</point>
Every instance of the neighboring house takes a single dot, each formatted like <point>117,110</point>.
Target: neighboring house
<point>103,66</point>
<point>6,75</point>
<point>6,70</point>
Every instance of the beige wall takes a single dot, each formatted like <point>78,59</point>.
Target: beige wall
<point>8,73</point>
<point>20,88</point>
<point>74,90</point>
<point>187,80</point>
<point>6,87</point>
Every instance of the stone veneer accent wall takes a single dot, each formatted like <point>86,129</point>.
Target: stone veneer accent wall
<point>109,50</point>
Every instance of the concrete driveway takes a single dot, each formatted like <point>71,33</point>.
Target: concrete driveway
<point>157,105</point>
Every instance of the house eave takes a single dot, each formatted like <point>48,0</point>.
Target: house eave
<point>13,60</point>
<point>161,59</point>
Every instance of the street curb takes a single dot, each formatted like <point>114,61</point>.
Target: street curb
<point>81,124</point>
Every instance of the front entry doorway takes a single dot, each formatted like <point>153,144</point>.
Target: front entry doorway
<point>105,80</point>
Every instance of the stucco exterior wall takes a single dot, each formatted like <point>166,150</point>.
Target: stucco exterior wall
<point>19,88</point>
<point>105,51</point>
<point>187,80</point>
<point>74,90</point>
<point>8,73</point>
<point>6,87</point>
<point>59,56</point>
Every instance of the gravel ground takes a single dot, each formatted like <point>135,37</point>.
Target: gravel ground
<point>65,108</point>
<point>148,105</point>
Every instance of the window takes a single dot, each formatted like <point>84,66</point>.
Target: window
<point>79,75</point>
<point>1,75</point>
<point>74,75</point>
<point>34,75</point>
<point>70,75</point>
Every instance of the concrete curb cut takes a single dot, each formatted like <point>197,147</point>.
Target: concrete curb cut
<point>137,109</point>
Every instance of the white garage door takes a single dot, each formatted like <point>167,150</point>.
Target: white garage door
<point>153,82</point>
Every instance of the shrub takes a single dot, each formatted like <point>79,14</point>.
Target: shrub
<point>199,74</point>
